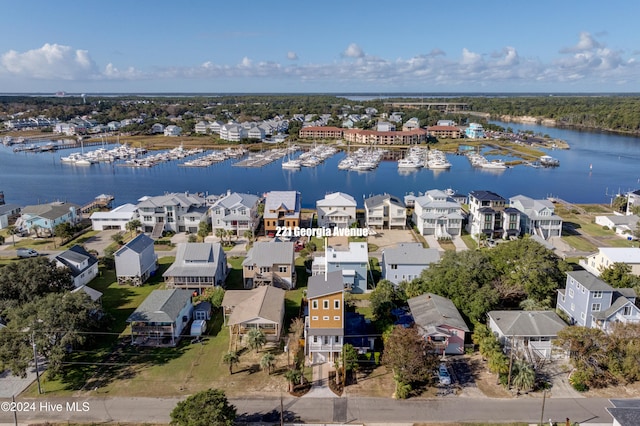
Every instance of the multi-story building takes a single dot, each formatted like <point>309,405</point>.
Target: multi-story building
<point>352,262</point>
<point>385,211</point>
<point>607,256</point>
<point>436,213</point>
<point>41,219</point>
<point>236,212</point>
<point>590,302</point>
<point>270,263</point>
<point>324,324</point>
<point>336,210</point>
<point>474,131</point>
<point>374,137</point>
<point>197,266</point>
<point>321,132</point>
<point>177,212</point>
<point>537,217</point>
<point>489,214</point>
<point>281,210</point>
<point>445,132</point>
<point>406,261</point>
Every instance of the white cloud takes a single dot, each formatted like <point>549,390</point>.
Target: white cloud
<point>50,62</point>
<point>292,56</point>
<point>353,51</point>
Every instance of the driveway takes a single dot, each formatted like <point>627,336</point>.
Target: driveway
<point>100,241</point>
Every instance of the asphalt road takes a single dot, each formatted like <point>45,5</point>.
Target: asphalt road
<point>319,410</point>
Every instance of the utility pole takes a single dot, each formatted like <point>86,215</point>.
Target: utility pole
<point>544,397</point>
<point>35,359</point>
<point>510,364</point>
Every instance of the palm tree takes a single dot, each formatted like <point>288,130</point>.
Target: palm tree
<point>36,230</point>
<point>133,225</point>
<point>248,234</point>
<point>256,339</point>
<point>267,362</point>
<point>231,358</point>
<point>220,233</point>
<point>524,377</point>
<point>293,377</point>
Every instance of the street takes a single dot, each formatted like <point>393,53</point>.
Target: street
<point>319,410</point>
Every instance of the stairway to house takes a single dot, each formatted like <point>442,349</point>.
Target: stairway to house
<point>158,229</point>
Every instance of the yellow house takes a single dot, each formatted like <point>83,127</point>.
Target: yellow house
<point>324,326</point>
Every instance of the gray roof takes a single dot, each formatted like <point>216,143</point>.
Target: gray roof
<point>528,323</point>
<point>50,211</point>
<point>76,255</point>
<point>411,254</point>
<point>264,302</point>
<point>626,411</point>
<point>174,199</point>
<point>196,260</point>
<point>161,306</point>
<point>282,200</point>
<point>139,243</point>
<point>431,310</point>
<point>589,281</point>
<point>92,293</point>
<point>268,253</point>
<point>8,208</point>
<point>486,196</point>
<point>319,286</point>
<point>236,199</point>
<point>615,307</point>
<point>376,200</point>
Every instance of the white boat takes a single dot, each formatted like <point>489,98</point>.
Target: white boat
<point>292,164</point>
<point>549,161</point>
<point>83,162</point>
<point>409,163</point>
<point>438,164</point>
<point>494,164</point>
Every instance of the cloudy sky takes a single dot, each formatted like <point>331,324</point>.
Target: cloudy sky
<point>328,46</point>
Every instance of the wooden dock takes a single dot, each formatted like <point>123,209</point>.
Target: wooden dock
<point>102,201</point>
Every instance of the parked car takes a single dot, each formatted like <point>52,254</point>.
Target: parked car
<point>443,375</point>
<point>27,252</point>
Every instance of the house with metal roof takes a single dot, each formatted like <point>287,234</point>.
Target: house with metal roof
<point>489,214</point>
<point>537,217</point>
<point>41,219</point>
<point>336,210</point>
<point>385,211</point>
<point>281,210</point>
<point>439,322</point>
<point>260,308</point>
<point>591,302</point>
<point>324,324</point>
<point>197,266</point>
<point>529,333</point>
<point>177,212</point>
<point>235,212</point>
<point>270,263</point>
<point>406,261</point>
<point>438,214</point>
<point>114,219</point>
<point>160,318</point>
<point>352,262</point>
<point>82,265</point>
<point>136,261</point>
<point>608,256</point>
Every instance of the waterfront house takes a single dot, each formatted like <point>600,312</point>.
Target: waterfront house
<point>336,210</point>
<point>136,261</point>
<point>623,225</point>
<point>82,265</point>
<point>172,130</point>
<point>281,210</point>
<point>270,263</point>
<point>201,127</point>
<point>256,133</point>
<point>439,321</point>
<point>385,211</point>
<point>474,131</point>
<point>114,219</point>
<point>197,266</point>
<point>608,256</point>
<point>260,308</point>
<point>160,318</point>
<point>9,213</point>
<point>41,219</point>
<point>489,214</point>
<point>633,199</point>
<point>436,213</point>
<point>590,302</point>
<point>352,262</point>
<point>537,217</point>
<point>177,212</point>
<point>530,333</point>
<point>235,212</point>
<point>157,128</point>
<point>324,323</point>
<point>232,132</point>
<point>407,261</point>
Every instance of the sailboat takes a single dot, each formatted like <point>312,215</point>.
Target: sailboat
<point>291,164</point>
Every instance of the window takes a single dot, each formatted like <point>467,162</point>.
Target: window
<point>315,339</point>
<point>325,304</point>
<point>314,318</point>
<point>573,307</point>
<point>337,339</point>
<point>336,304</point>
<point>570,292</point>
<point>626,311</point>
<point>249,267</point>
<point>282,269</point>
<point>325,318</point>
<point>326,340</point>
<point>595,307</point>
<point>581,315</point>
<point>394,266</point>
<point>597,294</point>
<point>314,304</point>
<point>336,318</point>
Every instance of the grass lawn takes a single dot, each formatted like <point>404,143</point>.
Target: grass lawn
<point>579,243</point>
<point>469,241</point>
<point>447,245</point>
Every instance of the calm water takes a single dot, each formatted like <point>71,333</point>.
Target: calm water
<point>615,160</point>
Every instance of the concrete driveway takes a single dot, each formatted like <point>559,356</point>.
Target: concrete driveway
<point>100,241</point>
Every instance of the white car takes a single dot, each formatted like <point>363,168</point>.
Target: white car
<point>443,375</point>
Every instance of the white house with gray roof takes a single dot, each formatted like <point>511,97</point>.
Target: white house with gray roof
<point>136,261</point>
<point>8,214</point>
<point>198,266</point>
<point>407,261</point>
<point>160,318</point>
<point>336,210</point>
<point>528,332</point>
<point>236,212</point>
<point>537,217</point>
<point>351,261</point>
<point>591,302</point>
<point>439,321</point>
<point>438,214</point>
<point>270,263</point>
<point>177,212</point>
<point>623,225</point>
<point>385,211</point>
<point>114,219</point>
<point>82,265</point>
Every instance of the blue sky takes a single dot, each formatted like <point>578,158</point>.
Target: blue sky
<point>328,46</point>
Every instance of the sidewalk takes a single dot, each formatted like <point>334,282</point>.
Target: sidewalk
<point>320,382</point>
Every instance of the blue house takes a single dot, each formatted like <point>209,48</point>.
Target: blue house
<point>42,219</point>
<point>352,262</point>
<point>407,261</point>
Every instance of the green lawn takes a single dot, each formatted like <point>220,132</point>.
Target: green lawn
<point>579,243</point>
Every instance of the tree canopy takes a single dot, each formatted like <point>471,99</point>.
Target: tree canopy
<point>206,408</point>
